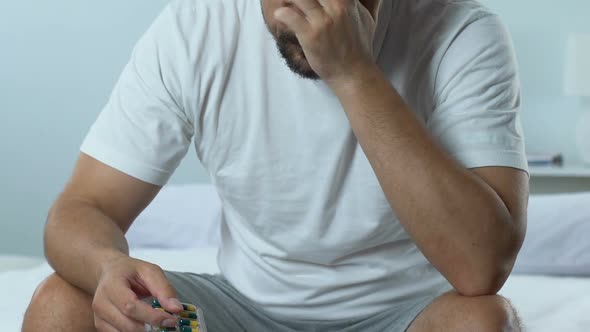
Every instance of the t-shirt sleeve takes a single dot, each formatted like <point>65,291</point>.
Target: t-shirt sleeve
<point>477,98</point>
<point>143,130</point>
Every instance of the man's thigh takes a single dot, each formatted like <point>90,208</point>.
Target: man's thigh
<point>56,305</point>
<point>454,312</point>
<point>224,308</point>
<point>227,310</point>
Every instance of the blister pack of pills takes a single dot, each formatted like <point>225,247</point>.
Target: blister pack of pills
<point>191,319</point>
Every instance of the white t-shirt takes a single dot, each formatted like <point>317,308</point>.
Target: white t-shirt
<point>306,230</point>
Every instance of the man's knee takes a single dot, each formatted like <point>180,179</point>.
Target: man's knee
<point>494,314</point>
<point>454,312</point>
<point>53,289</point>
<point>47,288</point>
<point>56,299</point>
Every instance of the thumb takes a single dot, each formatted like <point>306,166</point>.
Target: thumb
<point>159,287</point>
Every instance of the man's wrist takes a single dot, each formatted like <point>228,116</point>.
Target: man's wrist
<point>105,257</point>
<point>362,77</point>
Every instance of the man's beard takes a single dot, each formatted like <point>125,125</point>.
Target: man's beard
<point>291,50</point>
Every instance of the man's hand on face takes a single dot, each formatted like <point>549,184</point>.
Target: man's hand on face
<point>336,35</point>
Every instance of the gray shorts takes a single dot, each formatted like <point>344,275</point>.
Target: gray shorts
<point>227,310</point>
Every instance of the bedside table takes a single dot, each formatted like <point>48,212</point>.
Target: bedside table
<point>557,179</point>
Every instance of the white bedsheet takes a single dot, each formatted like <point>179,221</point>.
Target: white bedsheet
<point>546,304</point>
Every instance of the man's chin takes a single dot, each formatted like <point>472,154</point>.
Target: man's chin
<point>294,57</point>
<point>302,69</point>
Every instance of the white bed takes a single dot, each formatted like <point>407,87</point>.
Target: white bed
<point>546,304</point>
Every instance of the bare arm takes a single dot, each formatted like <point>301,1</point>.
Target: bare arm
<point>86,225</point>
<point>470,224</point>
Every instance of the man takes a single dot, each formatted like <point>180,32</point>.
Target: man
<point>375,183</point>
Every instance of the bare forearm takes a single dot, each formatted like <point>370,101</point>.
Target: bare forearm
<point>458,221</point>
<point>79,240</point>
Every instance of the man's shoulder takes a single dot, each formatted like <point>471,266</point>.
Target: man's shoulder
<point>209,7</point>
<point>440,37</point>
<point>193,23</point>
<point>435,25</point>
<point>448,15</point>
<point>471,8</point>
<point>200,20</point>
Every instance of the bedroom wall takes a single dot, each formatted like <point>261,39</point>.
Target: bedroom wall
<point>540,29</point>
<point>59,61</point>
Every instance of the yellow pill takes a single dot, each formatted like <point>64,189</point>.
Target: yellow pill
<point>188,322</point>
<point>188,314</point>
<point>189,307</point>
<point>189,329</point>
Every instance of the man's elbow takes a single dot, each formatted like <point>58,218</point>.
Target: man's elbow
<point>487,273</point>
<point>480,282</point>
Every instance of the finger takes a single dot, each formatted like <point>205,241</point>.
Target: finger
<point>126,301</point>
<point>103,326</point>
<point>122,297</point>
<point>293,20</point>
<point>139,289</point>
<point>143,312</point>
<point>311,9</point>
<point>158,285</point>
<point>106,313</point>
<point>129,305</point>
<point>334,7</point>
